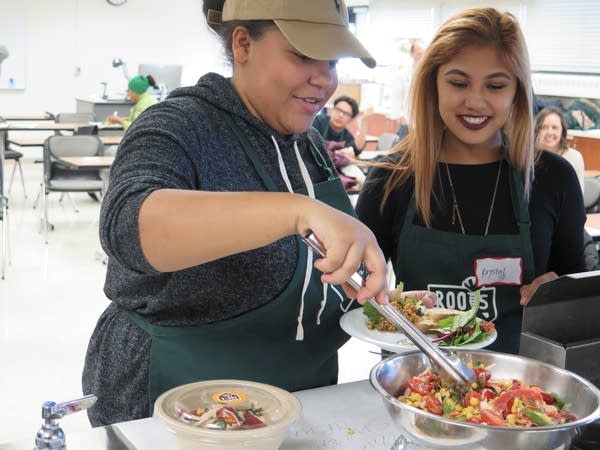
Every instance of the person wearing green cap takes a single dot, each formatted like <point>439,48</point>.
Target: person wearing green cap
<point>137,91</point>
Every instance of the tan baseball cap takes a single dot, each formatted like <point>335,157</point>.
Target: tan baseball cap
<point>316,28</point>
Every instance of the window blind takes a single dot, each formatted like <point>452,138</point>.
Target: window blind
<point>564,35</point>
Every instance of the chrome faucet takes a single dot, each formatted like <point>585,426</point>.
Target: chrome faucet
<point>51,435</point>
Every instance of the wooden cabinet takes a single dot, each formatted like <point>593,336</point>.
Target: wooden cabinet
<point>589,147</point>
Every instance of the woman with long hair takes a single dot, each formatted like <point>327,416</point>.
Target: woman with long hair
<point>551,135</point>
<point>464,203</point>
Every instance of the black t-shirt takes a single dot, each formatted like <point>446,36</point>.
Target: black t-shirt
<point>556,209</point>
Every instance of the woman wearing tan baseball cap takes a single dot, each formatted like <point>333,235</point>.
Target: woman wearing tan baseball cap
<point>207,197</point>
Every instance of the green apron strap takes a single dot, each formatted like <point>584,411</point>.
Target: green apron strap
<point>321,161</point>
<point>521,210</point>
<point>250,153</point>
<point>258,345</point>
<point>442,261</point>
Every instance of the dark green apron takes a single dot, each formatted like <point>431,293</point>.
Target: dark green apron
<point>444,262</point>
<point>259,345</point>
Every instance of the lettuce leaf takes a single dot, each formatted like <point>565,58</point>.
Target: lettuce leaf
<point>458,321</point>
<point>372,314</point>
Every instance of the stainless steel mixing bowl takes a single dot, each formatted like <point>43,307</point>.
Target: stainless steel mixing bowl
<point>427,430</point>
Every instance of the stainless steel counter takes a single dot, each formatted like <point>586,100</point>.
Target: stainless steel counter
<point>346,416</point>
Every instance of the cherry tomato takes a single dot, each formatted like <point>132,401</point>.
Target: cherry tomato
<point>419,386</point>
<point>469,395</point>
<point>487,327</point>
<point>475,420</point>
<point>252,420</point>
<point>488,394</point>
<point>566,416</point>
<point>491,417</point>
<point>228,415</point>
<point>548,398</point>
<point>433,405</point>
<point>509,406</point>
<point>429,377</point>
<point>503,402</point>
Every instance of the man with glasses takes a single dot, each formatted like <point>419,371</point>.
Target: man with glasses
<point>341,144</point>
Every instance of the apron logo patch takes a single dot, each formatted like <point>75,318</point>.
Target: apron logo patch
<point>229,397</point>
<point>462,298</point>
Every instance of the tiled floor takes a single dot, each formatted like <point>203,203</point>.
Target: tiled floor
<point>49,303</point>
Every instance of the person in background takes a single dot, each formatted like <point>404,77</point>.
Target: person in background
<point>208,195</point>
<point>137,92</point>
<point>401,89</point>
<point>465,202</point>
<point>551,135</point>
<point>341,144</point>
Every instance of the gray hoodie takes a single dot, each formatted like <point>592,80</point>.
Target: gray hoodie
<point>182,143</point>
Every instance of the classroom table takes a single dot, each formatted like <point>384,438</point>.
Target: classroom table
<point>42,126</point>
<point>592,225</point>
<point>591,173</point>
<point>102,163</point>
<point>39,142</point>
<point>59,126</point>
<point>27,117</point>
<point>367,155</point>
<point>87,162</point>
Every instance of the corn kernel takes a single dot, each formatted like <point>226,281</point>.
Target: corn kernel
<point>469,415</point>
<point>515,406</point>
<point>473,401</point>
<point>512,419</point>
<point>458,407</point>
<point>474,385</point>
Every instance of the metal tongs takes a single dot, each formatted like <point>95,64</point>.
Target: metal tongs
<point>448,364</point>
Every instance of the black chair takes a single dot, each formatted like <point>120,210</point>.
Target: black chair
<point>73,117</point>
<point>87,130</point>
<point>4,241</point>
<point>386,141</point>
<point>60,178</point>
<point>16,156</point>
<point>591,194</point>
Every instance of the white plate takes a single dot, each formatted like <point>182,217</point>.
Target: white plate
<point>355,324</point>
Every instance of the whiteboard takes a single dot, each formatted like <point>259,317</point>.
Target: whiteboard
<point>12,36</point>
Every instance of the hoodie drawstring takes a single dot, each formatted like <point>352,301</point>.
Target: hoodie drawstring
<point>309,257</point>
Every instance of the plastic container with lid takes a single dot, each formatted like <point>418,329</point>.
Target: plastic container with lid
<point>275,407</point>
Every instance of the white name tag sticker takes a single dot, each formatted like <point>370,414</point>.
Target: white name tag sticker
<point>499,271</point>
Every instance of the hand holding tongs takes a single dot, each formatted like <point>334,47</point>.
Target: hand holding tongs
<point>447,363</point>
